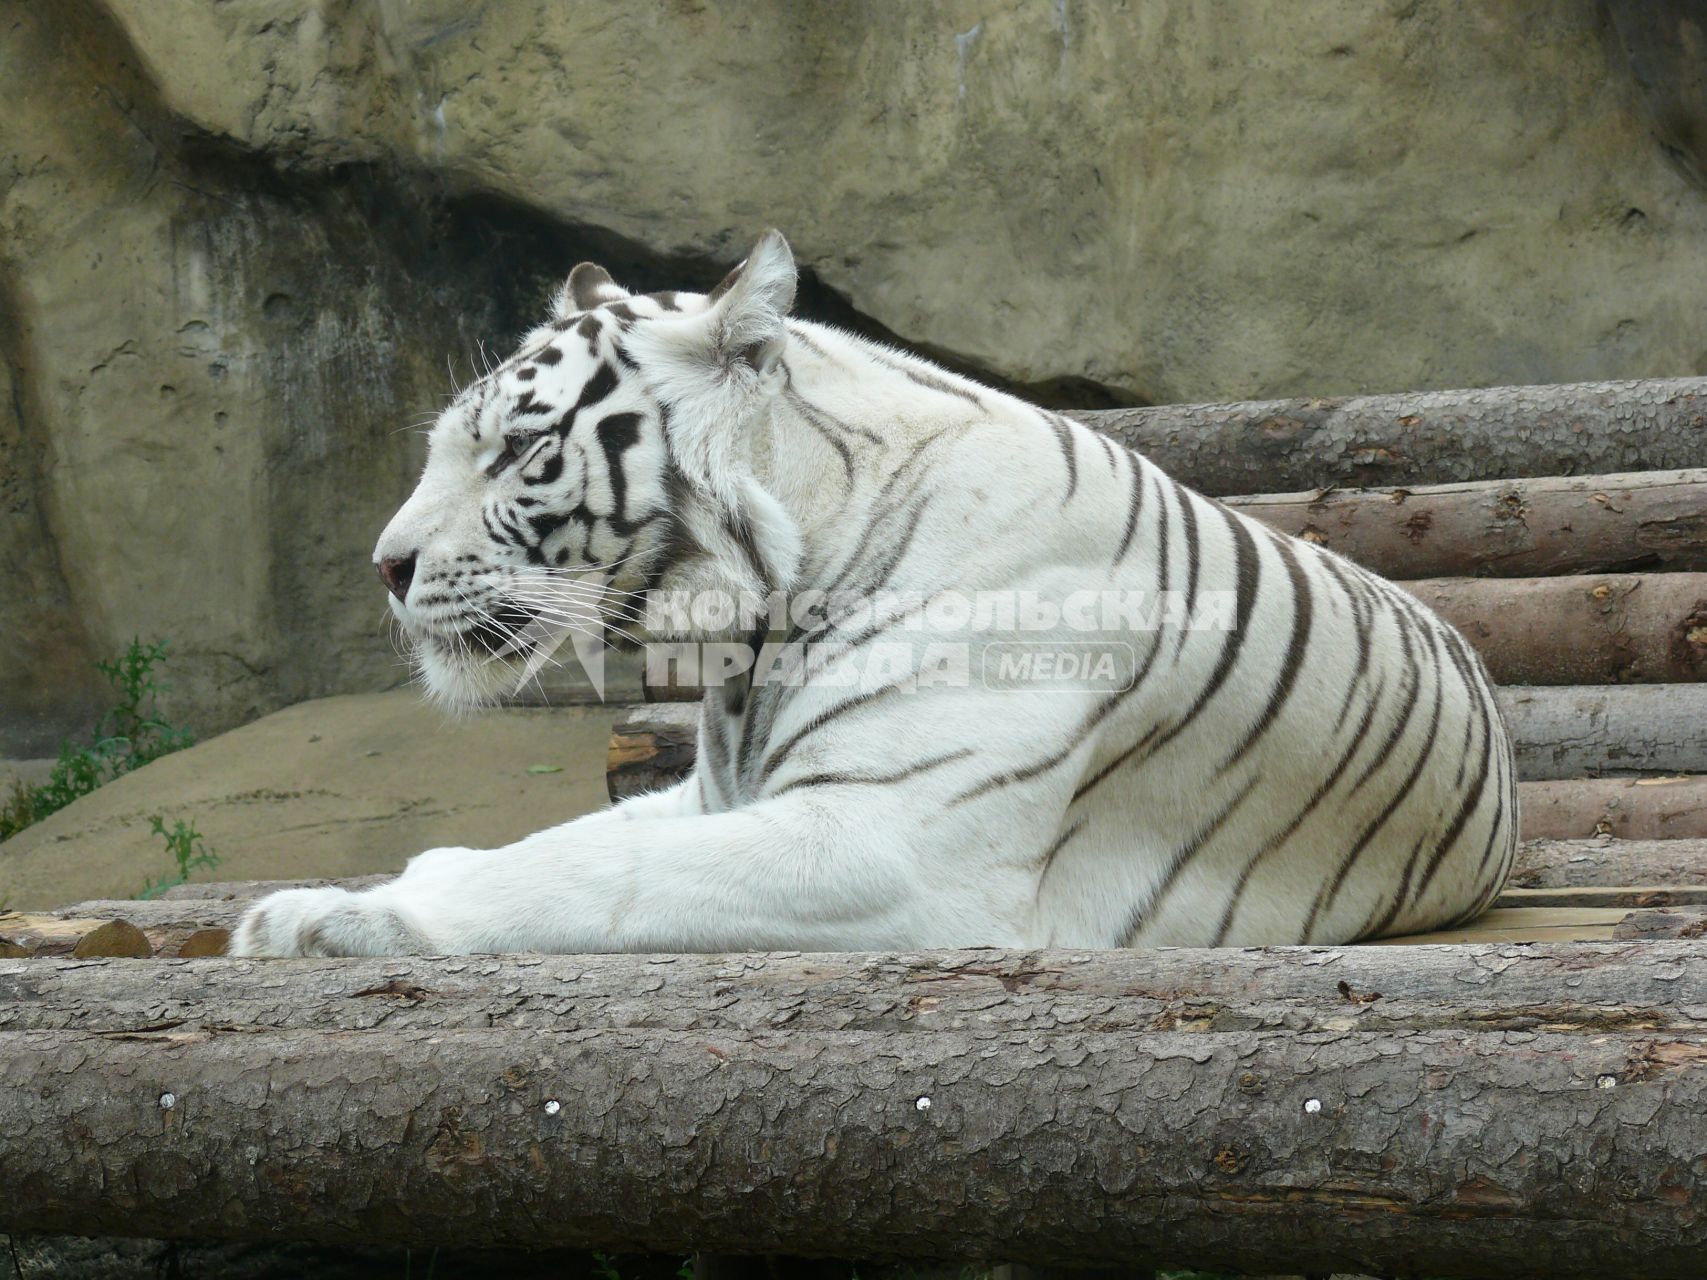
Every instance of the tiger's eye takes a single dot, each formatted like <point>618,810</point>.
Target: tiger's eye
<point>517,444</point>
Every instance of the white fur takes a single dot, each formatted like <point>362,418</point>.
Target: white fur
<point>733,859</point>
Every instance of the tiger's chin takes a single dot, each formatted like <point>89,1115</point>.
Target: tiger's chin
<point>459,679</point>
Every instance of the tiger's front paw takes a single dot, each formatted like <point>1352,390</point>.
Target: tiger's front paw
<point>323,922</point>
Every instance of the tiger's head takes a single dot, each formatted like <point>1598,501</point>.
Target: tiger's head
<point>606,458</point>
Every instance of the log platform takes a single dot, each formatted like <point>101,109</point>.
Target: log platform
<point>1523,1096</point>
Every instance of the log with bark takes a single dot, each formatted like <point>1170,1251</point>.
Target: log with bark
<point>1582,731</point>
<point>1516,987</point>
<point>1605,629</point>
<point>1450,1111</point>
<point>120,927</point>
<point>1567,864</point>
<point>1424,437</point>
<point>1663,923</point>
<point>1628,808</point>
<point>1627,897</point>
<point>651,747</point>
<point>1644,520</point>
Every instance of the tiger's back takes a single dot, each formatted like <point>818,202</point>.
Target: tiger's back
<point>1327,764</point>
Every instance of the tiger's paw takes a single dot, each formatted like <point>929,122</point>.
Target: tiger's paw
<point>323,922</point>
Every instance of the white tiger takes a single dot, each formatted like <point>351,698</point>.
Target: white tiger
<point>1332,766</point>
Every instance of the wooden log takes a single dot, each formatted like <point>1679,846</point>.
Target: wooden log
<point>1568,1148</point>
<point>1664,923</point>
<point>1581,731</point>
<point>1564,864</point>
<point>651,747</point>
<point>1083,1148</point>
<point>1629,897</point>
<point>1642,520</point>
<point>1517,987</point>
<point>24,934</point>
<point>1628,808</point>
<point>122,927</point>
<point>1608,629</point>
<point>1425,437</point>
<point>1507,925</point>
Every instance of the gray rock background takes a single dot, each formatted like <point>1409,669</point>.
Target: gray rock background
<point>239,240</point>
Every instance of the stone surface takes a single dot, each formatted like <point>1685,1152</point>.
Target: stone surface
<point>212,364</point>
<point>1341,196</point>
<point>239,240</point>
<point>338,786</point>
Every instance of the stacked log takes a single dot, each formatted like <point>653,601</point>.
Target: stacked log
<point>1634,522</point>
<point>1565,864</point>
<point>1583,731</point>
<point>1606,629</point>
<point>1423,437</point>
<point>1291,1109</point>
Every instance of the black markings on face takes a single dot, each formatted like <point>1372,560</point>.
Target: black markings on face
<point>547,468</point>
<point>617,434</point>
<point>600,385</point>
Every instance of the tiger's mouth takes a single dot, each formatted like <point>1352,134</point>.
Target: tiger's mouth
<point>503,631</point>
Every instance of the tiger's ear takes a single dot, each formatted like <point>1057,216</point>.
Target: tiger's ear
<point>589,285</point>
<point>750,306</point>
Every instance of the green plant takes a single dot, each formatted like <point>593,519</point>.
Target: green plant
<point>133,731</point>
<point>185,845</point>
<point>129,735</point>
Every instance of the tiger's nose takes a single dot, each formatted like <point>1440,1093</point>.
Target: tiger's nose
<point>397,572</point>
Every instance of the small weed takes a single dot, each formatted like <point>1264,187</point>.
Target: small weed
<point>185,845</point>
<point>130,734</point>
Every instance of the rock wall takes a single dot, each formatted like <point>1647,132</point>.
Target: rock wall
<point>238,242</point>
